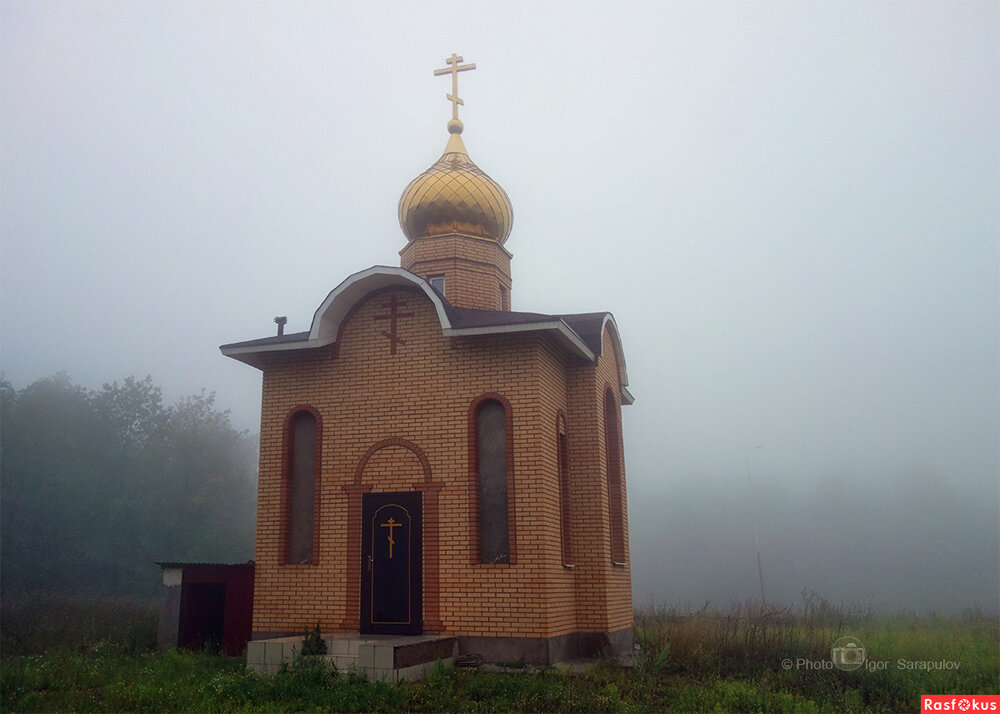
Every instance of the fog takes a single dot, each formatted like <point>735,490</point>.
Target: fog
<point>791,209</point>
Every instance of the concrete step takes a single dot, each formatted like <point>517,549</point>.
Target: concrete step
<point>379,657</point>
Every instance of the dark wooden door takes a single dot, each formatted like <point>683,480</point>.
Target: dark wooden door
<point>391,564</point>
<point>203,609</point>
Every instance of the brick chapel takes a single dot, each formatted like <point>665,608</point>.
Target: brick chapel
<point>432,461</point>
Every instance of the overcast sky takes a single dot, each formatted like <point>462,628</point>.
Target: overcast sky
<point>791,209</point>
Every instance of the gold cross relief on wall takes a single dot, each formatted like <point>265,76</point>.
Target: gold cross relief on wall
<point>394,314</point>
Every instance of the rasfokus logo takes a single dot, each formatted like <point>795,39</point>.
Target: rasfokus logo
<point>959,703</point>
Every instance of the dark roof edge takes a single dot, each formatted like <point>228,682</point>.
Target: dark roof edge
<point>275,340</point>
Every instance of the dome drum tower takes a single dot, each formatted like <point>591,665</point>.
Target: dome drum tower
<point>468,270</point>
<point>456,220</point>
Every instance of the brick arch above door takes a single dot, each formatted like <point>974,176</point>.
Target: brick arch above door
<point>364,482</point>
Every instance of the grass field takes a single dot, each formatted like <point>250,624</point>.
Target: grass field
<point>73,655</point>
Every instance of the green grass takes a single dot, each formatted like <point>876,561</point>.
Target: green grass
<point>47,623</point>
<point>702,661</point>
<point>740,655</point>
<point>185,682</point>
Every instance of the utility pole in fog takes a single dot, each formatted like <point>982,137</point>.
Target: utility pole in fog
<point>756,519</point>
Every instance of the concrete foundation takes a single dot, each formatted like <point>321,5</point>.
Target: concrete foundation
<point>550,650</point>
<point>389,658</point>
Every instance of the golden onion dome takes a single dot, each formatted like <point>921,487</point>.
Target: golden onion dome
<point>455,195</point>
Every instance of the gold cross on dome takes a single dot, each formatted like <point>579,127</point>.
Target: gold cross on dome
<point>454,68</point>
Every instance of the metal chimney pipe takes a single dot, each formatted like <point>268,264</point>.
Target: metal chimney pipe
<point>280,322</point>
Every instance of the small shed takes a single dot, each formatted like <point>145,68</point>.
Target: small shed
<point>206,605</point>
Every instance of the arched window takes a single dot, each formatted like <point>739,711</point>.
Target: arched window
<point>492,475</point>
<point>562,462</point>
<point>301,469</point>
<point>616,502</point>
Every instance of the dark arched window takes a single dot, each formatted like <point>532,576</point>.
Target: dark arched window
<point>301,469</point>
<point>562,463</point>
<point>616,502</point>
<point>492,472</point>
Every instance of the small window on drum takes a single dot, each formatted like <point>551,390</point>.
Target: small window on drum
<point>437,282</point>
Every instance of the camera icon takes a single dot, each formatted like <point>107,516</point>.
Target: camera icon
<point>847,653</point>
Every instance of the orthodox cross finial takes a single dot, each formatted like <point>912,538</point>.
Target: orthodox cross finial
<point>454,68</point>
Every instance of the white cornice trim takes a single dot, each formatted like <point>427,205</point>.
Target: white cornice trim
<point>609,319</point>
<point>236,350</point>
<point>336,306</point>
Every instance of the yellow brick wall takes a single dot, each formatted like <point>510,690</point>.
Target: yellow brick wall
<point>421,395</point>
<point>603,590</point>
<point>619,578</point>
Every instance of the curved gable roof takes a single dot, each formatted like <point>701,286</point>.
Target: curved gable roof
<point>332,311</point>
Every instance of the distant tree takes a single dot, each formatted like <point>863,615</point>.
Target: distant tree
<point>133,409</point>
<point>97,484</point>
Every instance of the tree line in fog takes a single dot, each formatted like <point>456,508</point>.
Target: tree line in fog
<point>96,485</point>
